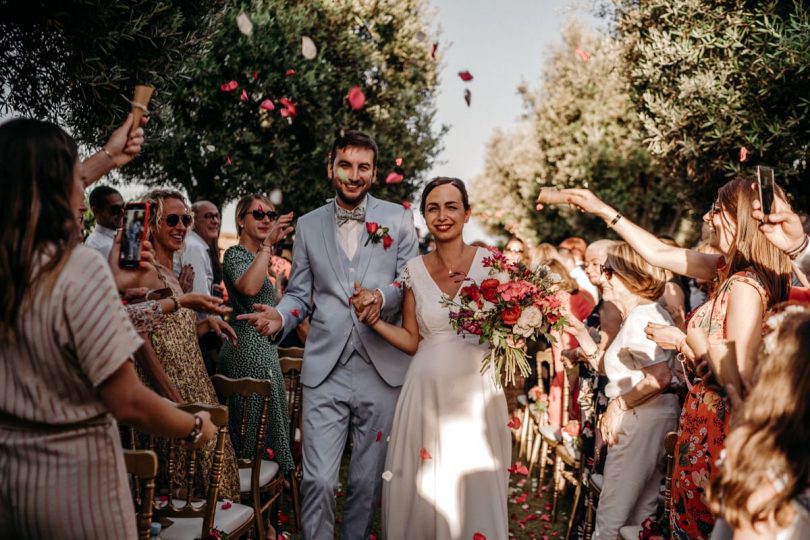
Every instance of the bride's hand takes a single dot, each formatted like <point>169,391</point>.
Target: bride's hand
<point>367,304</point>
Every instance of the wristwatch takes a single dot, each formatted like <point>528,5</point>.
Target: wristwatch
<point>196,431</point>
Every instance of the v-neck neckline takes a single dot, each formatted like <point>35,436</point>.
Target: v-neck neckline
<point>461,285</point>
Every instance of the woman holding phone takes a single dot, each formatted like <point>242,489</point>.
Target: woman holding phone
<point>65,349</point>
<point>752,275</point>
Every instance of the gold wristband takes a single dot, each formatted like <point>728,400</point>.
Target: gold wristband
<point>108,154</point>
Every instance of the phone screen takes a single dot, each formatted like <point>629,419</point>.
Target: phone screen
<point>136,221</point>
<point>765,183</point>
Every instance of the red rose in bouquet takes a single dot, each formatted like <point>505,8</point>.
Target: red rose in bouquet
<point>489,289</point>
<point>510,314</point>
<point>472,292</point>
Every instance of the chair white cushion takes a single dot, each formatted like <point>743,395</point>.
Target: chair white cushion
<point>226,521</point>
<point>268,471</point>
<point>630,532</point>
<point>597,480</point>
<point>550,432</point>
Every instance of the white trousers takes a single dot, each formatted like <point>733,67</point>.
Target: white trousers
<point>632,476</point>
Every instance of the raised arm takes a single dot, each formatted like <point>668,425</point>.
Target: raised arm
<point>677,260</point>
<point>120,149</point>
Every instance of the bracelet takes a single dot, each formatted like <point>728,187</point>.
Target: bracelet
<point>108,154</point>
<point>680,345</point>
<point>196,431</point>
<point>590,357</point>
<point>174,299</point>
<point>615,219</point>
<point>795,252</point>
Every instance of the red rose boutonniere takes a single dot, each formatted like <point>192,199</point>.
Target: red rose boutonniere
<point>378,233</point>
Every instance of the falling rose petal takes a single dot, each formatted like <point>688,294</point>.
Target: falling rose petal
<point>244,24</point>
<point>387,476</point>
<point>467,96</point>
<point>267,105</point>
<point>270,453</point>
<point>379,436</point>
<point>229,86</point>
<point>583,55</point>
<point>276,197</point>
<point>255,74</point>
<point>424,454</point>
<point>433,49</point>
<point>743,153</point>
<point>289,109</point>
<point>479,536</point>
<point>308,48</point>
<point>356,98</point>
<point>295,313</point>
<point>289,73</point>
<point>394,178</point>
<point>397,284</point>
<point>225,505</point>
<point>514,423</point>
<point>244,95</point>
<point>407,204</point>
<point>229,161</point>
<point>398,161</point>
<point>465,75</point>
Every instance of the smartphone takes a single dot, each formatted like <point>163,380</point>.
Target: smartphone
<point>765,185</point>
<point>136,223</point>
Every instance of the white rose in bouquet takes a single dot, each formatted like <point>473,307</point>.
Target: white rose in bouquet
<point>530,319</point>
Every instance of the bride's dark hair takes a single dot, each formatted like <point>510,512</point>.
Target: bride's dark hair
<point>441,181</point>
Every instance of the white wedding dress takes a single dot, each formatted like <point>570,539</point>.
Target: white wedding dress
<point>446,469</point>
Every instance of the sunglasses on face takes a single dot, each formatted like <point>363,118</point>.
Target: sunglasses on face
<point>173,219</point>
<point>259,215</point>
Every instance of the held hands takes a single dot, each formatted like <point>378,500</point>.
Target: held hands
<point>265,319</point>
<point>123,146</point>
<point>281,228</point>
<point>783,228</point>
<point>222,329</point>
<point>367,304</point>
<point>203,302</point>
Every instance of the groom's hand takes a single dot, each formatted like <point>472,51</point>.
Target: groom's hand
<point>367,304</point>
<point>265,319</point>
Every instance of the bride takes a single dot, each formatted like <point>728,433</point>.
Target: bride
<point>446,468</point>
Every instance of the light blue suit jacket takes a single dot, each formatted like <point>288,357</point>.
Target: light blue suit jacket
<point>321,284</point>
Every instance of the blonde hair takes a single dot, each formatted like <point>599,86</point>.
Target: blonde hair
<point>155,199</point>
<point>768,440</point>
<point>243,205</point>
<point>750,248</point>
<point>641,277</point>
<point>567,283</point>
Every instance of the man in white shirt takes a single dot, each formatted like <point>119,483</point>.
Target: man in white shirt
<point>195,252</point>
<point>108,209</point>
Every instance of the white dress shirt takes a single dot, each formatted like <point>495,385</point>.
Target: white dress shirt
<point>101,239</point>
<point>195,253</point>
<point>349,233</point>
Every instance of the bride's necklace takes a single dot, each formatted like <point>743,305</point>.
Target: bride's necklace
<point>450,272</point>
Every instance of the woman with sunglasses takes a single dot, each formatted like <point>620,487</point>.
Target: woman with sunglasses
<point>752,275</point>
<point>175,339</point>
<point>641,410</point>
<point>245,270</point>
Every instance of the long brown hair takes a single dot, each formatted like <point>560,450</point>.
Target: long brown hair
<point>769,436</point>
<point>750,248</point>
<point>36,171</point>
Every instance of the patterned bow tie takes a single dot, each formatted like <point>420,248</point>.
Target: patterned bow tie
<point>344,216</point>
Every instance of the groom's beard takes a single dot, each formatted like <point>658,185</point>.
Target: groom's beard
<point>353,201</point>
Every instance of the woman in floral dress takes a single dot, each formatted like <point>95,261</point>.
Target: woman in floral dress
<point>752,276</point>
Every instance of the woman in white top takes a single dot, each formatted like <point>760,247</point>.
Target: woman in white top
<point>640,413</point>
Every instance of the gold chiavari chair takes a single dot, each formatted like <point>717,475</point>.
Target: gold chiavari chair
<point>290,352</point>
<point>291,368</point>
<point>567,466</point>
<point>142,466</point>
<point>260,483</point>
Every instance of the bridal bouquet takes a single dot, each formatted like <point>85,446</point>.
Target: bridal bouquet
<point>513,305</point>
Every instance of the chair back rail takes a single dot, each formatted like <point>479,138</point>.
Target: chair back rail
<point>142,465</point>
<point>291,352</point>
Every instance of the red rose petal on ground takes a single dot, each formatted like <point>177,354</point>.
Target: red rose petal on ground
<point>479,536</point>
<point>283,518</point>
<point>519,468</point>
<point>356,98</point>
<point>295,313</point>
<point>521,498</point>
<point>583,55</point>
<point>743,153</point>
<point>289,73</point>
<point>424,454</point>
<point>545,517</point>
<point>514,423</point>
<point>229,86</point>
<point>267,105</point>
<point>407,204</point>
<point>465,75</point>
<point>547,507</point>
<point>270,453</point>
<point>226,505</point>
<point>379,436</point>
<point>394,178</point>
<point>398,161</point>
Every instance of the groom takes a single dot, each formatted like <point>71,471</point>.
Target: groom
<point>351,377</point>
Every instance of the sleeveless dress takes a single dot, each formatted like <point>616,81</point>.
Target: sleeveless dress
<point>446,468</point>
<point>704,423</point>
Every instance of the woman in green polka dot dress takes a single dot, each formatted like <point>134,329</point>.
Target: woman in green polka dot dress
<point>245,271</point>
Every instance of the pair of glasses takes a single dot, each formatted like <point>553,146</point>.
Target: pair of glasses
<point>173,219</point>
<point>607,270</point>
<point>211,216</point>
<point>259,215</point>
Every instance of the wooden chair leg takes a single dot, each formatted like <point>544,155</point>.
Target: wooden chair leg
<point>574,508</point>
<point>590,513</point>
<point>525,429</point>
<point>543,461</point>
<point>559,483</point>
<point>296,494</point>
<point>534,454</point>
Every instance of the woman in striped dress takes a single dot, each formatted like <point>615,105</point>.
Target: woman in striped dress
<point>65,349</point>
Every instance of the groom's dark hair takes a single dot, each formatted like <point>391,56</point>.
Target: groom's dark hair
<point>357,139</point>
